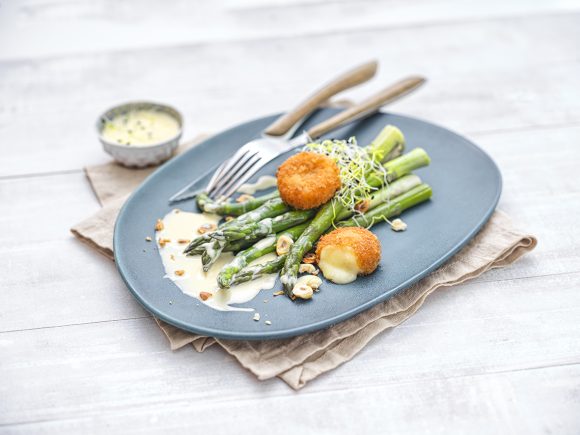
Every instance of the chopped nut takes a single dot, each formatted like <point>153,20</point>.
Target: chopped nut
<point>283,244</point>
<point>312,281</point>
<point>163,242</point>
<point>229,218</point>
<point>204,296</point>
<point>172,257</point>
<point>243,198</point>
<point>267,322</point>
<point>148,239</point>
<point>363,206</point>
<point>308,268</point>
<point>398,225</point>
<point>183,241</point>
<point>176,210</point>
<point>309,258</point>
<point>257,316</point>
<point>180,272</point>
<point>302,291</point>
<point>159,225</point>
<point>278,293</point>
<point>206,228</point>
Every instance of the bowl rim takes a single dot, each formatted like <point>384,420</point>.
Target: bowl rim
<point>172,111</point>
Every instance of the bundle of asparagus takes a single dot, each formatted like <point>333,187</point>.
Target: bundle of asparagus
<point>261,221</point>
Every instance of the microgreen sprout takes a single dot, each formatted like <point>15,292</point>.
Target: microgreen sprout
<point>353,162</point>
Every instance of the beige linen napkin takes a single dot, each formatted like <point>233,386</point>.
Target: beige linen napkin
<point>300,359</point>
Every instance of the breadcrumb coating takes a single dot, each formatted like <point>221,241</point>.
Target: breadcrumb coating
<point>364,244</point>
<point>307,180</point>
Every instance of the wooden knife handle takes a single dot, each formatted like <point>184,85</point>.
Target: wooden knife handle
<point>347,80</point>
<point>367,107</point>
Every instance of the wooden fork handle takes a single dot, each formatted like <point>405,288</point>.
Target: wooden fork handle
<point>367,107</point>
<point>354,77</point>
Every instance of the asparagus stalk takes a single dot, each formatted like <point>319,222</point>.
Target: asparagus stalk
<point>325,217</point>
<point>212,250</point>
<point>397,168</point>
<point>415,196</point>
<point>379,197</point>
<point>261,248</point>
<point>271,208</point>
<point>252,231</point>
<point>224,208</point>
<point>266,227</point>
<point>389,144</point>
<point>250,273</point>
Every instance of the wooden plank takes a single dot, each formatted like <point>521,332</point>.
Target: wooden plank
<point>50,106</point>
<point>540,191</point>
<point>46,271</point>
<point>459,343</point>
<point>531,402</point>
<point>53,28</point>
<point>55,269</point>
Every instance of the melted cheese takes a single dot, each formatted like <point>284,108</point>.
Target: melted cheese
<point>183,225</point>
<point>338,264</point>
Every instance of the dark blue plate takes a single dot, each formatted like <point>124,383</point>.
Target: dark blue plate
<point>466,185</point>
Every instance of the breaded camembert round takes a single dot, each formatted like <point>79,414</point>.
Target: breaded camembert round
<point>345,253</point>
<point>307,180</point>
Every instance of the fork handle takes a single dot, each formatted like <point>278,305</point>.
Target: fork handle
<point>356,76</point>
<point>367,106</point>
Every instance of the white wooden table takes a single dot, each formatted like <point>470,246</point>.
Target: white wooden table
<point>79,355</point>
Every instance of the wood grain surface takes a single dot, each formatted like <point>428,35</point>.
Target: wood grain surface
<point>78,354</point>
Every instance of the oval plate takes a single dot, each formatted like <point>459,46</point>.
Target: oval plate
<point>466,188</point>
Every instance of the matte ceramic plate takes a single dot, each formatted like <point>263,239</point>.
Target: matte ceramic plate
<point>466,188</point>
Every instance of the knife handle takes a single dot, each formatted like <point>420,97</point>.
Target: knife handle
<point>354,77</point>
<point>367,107</point>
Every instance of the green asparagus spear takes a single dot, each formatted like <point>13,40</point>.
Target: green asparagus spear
<point>379,197</point>
<point>212,250</point>
<point>397,168</point>
<point>252,232</point>
<point>224,208</point>
<point>266,227</point>
<point>250,273</point>
<point>259,249</point>
<point>416,195</point>
<point>390,143</point>
<point>271,208</point>
<point>202,200</point>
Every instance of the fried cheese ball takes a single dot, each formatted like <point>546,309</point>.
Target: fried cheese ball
<point>345,253</point>
<point>307,180</point>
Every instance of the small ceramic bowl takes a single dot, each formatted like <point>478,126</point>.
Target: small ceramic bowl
<point>140,156</point>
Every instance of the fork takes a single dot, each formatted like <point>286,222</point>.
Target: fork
<point>255,154</point>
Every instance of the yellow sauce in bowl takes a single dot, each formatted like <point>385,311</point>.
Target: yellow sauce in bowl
<point>140,128</point>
